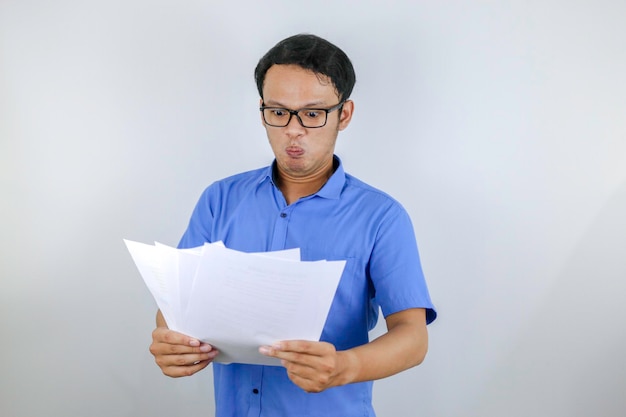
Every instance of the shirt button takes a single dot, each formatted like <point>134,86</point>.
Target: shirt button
<point>283,215</point>
<point>255,391</point>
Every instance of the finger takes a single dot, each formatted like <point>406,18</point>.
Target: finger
<point>305,382</point>
<point>305,347</point>
<point>293,360</point>
<point>188,370</point>
<point>165,335</point>
<point>184,359</point>
<point>168,349</point>
<point>161,348</point>
<point>170,342</point>
<point>298,350</point>
<point>302,346</point>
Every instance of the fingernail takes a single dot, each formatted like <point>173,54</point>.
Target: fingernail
<point>194,343</point>
<point>277,346</point>
<point>206,348</point>
<point>264,350</point>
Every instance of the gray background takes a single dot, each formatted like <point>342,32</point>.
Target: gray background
<point>499,125</point>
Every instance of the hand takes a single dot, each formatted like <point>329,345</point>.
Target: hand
<point>313,366</point>
<point>180,355</point>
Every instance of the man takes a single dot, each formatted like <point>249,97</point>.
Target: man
<point>306,200</point>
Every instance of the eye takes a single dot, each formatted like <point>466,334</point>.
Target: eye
<point>312,114</point>
<point>279,112</point>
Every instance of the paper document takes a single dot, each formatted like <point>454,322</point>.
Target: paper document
<point>238,301</point>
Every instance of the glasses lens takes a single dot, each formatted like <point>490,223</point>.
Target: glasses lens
<point>276,117</point>
<point>312,117</point>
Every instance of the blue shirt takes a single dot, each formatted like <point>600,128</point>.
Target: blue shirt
<point>346,219</point>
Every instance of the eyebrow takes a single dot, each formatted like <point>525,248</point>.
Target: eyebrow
<point>312,105</point>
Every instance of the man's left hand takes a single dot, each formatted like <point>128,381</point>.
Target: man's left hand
<point>313,366</point>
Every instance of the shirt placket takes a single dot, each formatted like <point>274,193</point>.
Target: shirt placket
<point>256,379</point>
<point>281,225</point>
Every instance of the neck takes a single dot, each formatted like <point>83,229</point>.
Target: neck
<point>294,188</point>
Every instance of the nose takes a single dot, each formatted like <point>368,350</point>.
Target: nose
<point>294,127</point>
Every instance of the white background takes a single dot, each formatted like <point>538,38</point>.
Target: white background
<point>501,127</point>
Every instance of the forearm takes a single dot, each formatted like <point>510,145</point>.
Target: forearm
<point>316,366</point>
<point>403,346</point>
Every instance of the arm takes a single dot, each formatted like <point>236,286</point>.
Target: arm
<point>177,354</point>
<point>316,366</point>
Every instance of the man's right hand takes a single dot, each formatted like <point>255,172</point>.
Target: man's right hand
<point>178,354</point>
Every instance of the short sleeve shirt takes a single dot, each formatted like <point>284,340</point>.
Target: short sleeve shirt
<point>345,220</point>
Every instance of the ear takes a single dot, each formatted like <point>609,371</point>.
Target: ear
<point>346,114</point>
<point>261,113</point>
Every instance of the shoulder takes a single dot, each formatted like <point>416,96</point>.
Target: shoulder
<point>242,178</point>
<point>374,208</point>
<point>237,182</point>
<point>365,193</point>
<point>230,190</point>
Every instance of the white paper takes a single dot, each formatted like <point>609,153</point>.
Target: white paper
<point>152,269</point>
<point>239,301</point>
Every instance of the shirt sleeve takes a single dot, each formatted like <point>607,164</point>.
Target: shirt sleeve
<point>200,225</point>
<point>395,267</point>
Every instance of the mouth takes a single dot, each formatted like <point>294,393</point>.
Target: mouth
<point>294,151</point>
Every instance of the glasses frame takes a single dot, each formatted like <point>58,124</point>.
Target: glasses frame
<point>295,113</point>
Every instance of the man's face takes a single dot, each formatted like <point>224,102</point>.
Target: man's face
<point>303,152</point>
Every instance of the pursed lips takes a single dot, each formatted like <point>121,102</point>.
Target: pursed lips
<point>294,151</point>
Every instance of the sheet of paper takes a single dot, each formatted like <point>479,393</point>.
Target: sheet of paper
<point>287,254</point>
<point>252,301</point>
<point>153,269</point>
<point>239,301</point>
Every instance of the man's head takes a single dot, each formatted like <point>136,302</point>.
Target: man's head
<point>312,53</point>
<point>310,79</point>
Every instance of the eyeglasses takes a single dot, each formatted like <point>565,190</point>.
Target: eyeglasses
<point>311,118</point>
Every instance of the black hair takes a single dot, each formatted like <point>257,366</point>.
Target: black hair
<point>312,53</point>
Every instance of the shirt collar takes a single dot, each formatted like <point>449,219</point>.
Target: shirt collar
<point>330,190</point>
<point>333,187</point>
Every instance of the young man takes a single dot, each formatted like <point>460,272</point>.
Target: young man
<point>306,200</point>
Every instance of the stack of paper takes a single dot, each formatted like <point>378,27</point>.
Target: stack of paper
<point>238,301</point>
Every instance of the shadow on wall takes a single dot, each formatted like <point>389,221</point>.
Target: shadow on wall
<point>570,360</point>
